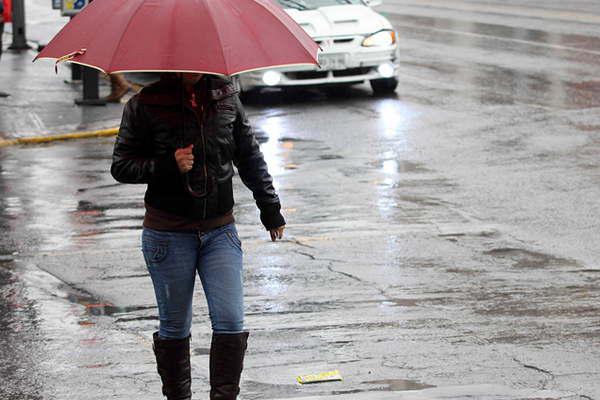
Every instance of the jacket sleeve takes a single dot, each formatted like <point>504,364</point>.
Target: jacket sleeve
<point>132,161</point>
<point>253,170</point>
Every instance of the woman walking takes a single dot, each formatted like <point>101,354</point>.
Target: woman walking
<point>180,136</point>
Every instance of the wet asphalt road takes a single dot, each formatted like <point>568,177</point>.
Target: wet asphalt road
<point>445,236</point>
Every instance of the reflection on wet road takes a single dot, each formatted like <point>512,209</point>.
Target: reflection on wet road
<point>444,236</point>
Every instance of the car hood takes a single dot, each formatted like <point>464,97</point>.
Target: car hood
<point>339,20</point>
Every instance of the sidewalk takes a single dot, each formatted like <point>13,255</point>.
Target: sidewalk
<point>42,102</point>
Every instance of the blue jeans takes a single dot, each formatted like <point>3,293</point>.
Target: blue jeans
<point>173,258</point>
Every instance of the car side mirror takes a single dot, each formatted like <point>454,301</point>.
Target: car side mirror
<point>373,3</point>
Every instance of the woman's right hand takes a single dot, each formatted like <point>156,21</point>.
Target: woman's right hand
<point>185,158</point>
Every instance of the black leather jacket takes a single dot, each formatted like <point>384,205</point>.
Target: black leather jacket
<point>158,120</point>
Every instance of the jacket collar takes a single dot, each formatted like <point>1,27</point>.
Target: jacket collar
<point>169,91</point>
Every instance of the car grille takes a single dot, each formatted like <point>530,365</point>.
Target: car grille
<point>306,74</point>
<point>300,75</point>
<point>345,40</point>
<point>352,71</point>
<point>342,43</point>
<point>336,41</point>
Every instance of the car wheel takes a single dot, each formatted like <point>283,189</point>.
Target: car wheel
<point>384,86</point>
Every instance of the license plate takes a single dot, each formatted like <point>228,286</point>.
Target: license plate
<point>332,61</point>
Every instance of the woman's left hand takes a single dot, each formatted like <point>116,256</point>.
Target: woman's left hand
<point>277,233</point>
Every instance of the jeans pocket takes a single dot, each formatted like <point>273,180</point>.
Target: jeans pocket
<point>234,238</point>
<point>154,251</point>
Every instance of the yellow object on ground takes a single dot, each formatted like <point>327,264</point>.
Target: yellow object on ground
<point>62,136</point>
<point>321,377</point>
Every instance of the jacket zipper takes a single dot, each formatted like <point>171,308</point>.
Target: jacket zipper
<point>201,122</point>
<point>204,165</point>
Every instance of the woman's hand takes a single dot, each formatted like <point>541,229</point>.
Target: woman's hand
<point>277,233</point>
<point>185,158</point>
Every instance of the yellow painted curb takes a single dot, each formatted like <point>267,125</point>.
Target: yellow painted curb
<point>61,136</point>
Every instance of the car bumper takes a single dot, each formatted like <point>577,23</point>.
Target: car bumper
<point>336,68</point>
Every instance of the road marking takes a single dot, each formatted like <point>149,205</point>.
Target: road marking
<point>518,11</point>
<point>60,136</point>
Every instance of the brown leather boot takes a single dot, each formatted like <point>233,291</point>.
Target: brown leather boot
<point>173,365</point>
<point>226,364</point>
<point>119,86</point>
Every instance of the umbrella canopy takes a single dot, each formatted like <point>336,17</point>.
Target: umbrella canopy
<point>223,37</point>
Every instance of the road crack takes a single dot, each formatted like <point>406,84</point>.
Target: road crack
<point>330,266</point>
<point>538,369</point>
<point>298,242</point>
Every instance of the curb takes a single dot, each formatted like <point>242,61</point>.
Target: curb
<point>57,137</point>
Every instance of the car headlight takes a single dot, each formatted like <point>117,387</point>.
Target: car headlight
<point>271,78</point>
<point>381,38</point>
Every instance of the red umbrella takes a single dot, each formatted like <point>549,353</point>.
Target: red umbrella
<point>223,37</point>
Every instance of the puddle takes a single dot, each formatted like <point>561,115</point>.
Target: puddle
<point>330,157</point>
<point>109,309</point>
<point>262,390</point>
<point>201,351</point>
<point>530,259</point>
<point>93,306</point>
<point>143,318</point>
<point>94,366</point>
<point>390,302</point>
<point>399,166</point>
<point>119,277</point>
<point>399,384</point>
<point>420,200</point>
<point>4,258</point>
<point>85,205</point>
<point>100,187</point>
<point>295,139</point>
<point>463,271</point>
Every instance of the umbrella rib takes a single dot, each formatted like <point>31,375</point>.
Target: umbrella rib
<point>218,37</point>
<point>123,34</point>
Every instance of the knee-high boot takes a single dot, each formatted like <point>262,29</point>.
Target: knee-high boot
<point>226,364</point>
<point>173,365</point>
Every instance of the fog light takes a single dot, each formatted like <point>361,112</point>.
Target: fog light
<point>271,78</point>
<point>386,70</point>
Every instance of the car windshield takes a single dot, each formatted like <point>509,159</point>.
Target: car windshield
<point>313,4</point>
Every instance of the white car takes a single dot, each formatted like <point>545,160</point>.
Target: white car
<point>357,43</point>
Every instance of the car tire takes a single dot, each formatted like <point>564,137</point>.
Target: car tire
<point>384,86</point>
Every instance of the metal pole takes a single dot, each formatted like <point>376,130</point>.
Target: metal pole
<point>75,72</point>
<point>91,91</point>
<point>19,38</point>
<point>75,68</point>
